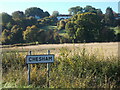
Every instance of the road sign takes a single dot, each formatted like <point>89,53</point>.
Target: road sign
<point>32,59</point>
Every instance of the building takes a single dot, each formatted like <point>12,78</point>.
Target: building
<point>117,16</point>
<point>63,16</point>
<point>37,17</point>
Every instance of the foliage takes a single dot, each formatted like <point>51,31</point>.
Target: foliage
<point>117,33</point>
<point>6,18</point>
<point>79,10</point>
<point>55,13</point>
<point>61,25</point>
<point>84,26</point>
<point>71,69</point>
<point>107,35</point>
<point>30,34</point>
<point>24,23</point>
<point>47,21</point>
<point>87,24</point>
<point>5,36</point>
<point>12,36</point>
<point>109,17</point>
<point>34,11</point>
<point>75,10</point>
<point>18,15</point>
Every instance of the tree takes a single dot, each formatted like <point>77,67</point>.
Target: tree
<point>107,35</point>
<point>99,12</point>
<point>18,15</point>
<point>16,34</point>
<point>41,36</point>
<point>6,18</point>
<point>61,25</point>
<point>89,8</point>
<point>5,34</point>
<point>85,26</point>
<point>50,36</point>
<point>33,34</point>
<point>71,30</point>
<point>9,26</point>
<point>55,13</point>
<point>30,34</point>
<point>12,36</point>
<point>75,10</point>
<point>34,11</point>
<point>46,14</point>
<point>109,17</point>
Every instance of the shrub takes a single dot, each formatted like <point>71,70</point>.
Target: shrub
<point>71,69</point>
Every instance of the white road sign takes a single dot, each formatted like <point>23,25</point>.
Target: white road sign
<point>31,59</point>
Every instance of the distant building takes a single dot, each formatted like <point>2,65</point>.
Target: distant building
<point>37,17</point>
<point>63,16</point>
<point>117,16</point>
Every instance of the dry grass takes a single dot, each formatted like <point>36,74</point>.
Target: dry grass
<point>75,66</point>
<point>100,49</point>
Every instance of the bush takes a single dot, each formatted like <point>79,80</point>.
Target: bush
<point>71,69</point>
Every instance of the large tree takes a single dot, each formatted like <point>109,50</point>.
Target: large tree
<point>18,15</point>
<point>16,34</point>
<point>34,11</point>
<point>33,34</point>
<point>6,18</point>
<point>5,36</point>
<point>75,10</point>
<point>109,17</point>
<point>89,8</point>
<point>84,27</point>
<point>55,13</point>
<point>46,14</point>
<point>29,35</point>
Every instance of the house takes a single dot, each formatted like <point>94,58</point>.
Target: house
<point>63,16</point>
<point>117,16</point>
<point>37,17</point>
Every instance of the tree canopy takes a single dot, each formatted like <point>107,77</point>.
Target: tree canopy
<point>6,18</point>
<point>109,17</point>
<point>86,24</point>
<point>34,11</point>
<point>84,27</point>
<point>18,15</point>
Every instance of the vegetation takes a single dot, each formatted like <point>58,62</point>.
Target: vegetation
<point>87,24</point>
<point>73,68</point>
<point>34,11</point>
<point>84,26</point>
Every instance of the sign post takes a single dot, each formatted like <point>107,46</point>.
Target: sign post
<point>29,71</point>
<point>48,70</point>
<point>33,59</point>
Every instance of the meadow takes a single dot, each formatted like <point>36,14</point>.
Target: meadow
<point>81,65</point>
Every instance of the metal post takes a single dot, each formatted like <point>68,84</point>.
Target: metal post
<point>48,71</point>
<point>29,71</point>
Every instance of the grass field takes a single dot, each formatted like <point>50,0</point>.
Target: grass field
<point>88,65</point>
<point>105,49</point>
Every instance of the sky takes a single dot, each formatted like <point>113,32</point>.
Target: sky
<point>9,6</point>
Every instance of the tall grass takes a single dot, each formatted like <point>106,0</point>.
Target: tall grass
<point>71,69</point>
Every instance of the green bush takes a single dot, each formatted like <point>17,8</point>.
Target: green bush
<point>71,69</point>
